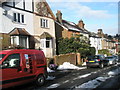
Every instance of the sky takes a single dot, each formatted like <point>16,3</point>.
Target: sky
<point>95,15</point>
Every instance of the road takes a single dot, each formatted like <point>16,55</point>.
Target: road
<point>69,79</point>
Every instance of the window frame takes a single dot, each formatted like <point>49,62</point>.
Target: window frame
<point>6,61</point>
<point>44,23</point>
<point>18,18</point>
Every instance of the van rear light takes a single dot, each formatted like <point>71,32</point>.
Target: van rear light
<point>98,60</point>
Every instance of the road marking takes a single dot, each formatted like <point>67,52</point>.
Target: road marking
<point>66,81</point>
<point>54,85</point>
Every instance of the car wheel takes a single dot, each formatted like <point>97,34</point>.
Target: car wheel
<point>40,80</point>
<point>101,65</point>
<point>108,64</point>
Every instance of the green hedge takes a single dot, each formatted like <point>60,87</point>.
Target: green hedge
<point>75,45</point>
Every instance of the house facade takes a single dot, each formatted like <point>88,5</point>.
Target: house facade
<point>29,24</point>
<point>15,22</point>
<point>44,29</point>
<point>67,29</point>
<point>95,41</point>
<point>107,43</point>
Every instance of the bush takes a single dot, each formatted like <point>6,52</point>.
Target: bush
<point>104,51</point>
<point>75,45</point>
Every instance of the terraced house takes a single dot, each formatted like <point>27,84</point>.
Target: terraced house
<point>27,24</point>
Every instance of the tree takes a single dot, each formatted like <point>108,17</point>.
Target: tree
<point>104,51</point>
<point>78,44</point>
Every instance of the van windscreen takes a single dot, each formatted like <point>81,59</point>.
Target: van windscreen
<point>2,56</point>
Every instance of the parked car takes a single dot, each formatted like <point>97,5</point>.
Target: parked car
<point>112,60</point>
<point>96,61</point>
<point>22,66</point>
<point>117,57</point>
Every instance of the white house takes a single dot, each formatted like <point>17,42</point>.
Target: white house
<point>30,24</point>
<point>17,20</point>
<point>95,41</point>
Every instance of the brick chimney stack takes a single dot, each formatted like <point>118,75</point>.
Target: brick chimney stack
<point>100,33</point>
<point>59,16</point>
<point>81,24</point>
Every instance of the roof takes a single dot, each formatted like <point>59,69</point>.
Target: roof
<point>73,27</point>
<point>19,31</point>
<point>45,35</point>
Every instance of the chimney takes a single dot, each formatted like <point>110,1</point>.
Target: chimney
<point>100,33</point>
<point>59,16</point>
<point>81,24</point>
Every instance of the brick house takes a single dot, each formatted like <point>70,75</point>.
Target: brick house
<point>67,29</point>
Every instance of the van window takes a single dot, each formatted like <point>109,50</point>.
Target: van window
<point>12,60</point>
<point>39,59</point>
<point>2,56</point>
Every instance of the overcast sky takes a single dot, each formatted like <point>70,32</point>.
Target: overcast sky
<point>96,15</point>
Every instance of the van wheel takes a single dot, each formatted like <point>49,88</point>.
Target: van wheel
<point>101,65</point>
<point>40,80</point>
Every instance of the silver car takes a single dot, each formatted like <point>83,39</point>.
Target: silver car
<point>112,60</point>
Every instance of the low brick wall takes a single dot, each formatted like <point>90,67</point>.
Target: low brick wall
<point>73,58</point>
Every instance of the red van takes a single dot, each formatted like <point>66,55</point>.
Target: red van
<point>21,66</point>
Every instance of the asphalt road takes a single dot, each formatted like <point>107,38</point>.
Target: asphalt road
<point>68,79</point>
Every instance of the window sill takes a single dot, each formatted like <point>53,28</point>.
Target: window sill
<point>18,23</point>
<point>45,27</point>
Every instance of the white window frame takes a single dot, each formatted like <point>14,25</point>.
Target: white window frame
<point>44,23</point>
<point>19,19</point>
<point>44,44</point>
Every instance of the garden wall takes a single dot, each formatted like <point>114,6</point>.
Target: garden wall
<point>73,58</point>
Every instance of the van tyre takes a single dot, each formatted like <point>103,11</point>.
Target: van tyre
<point>101,65</point>
<point>40,80</point>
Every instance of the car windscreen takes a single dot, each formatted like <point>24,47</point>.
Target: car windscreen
<point>93,57</point>
<point>109,57</point>
<point>2,56</point>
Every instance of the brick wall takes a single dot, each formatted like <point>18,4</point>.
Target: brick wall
<point>73,58</point>
<point>4,41</point>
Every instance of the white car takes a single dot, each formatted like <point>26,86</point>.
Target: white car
<point>112,60</point>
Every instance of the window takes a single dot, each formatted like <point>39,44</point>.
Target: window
<point>23,41</point>
<point>47,44</point>
<point>17,17</point>
<point>44,23</point>
<point>12,60</point>
<point>22,18</point>
<point>14,40</point>
<point>2,56</point>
